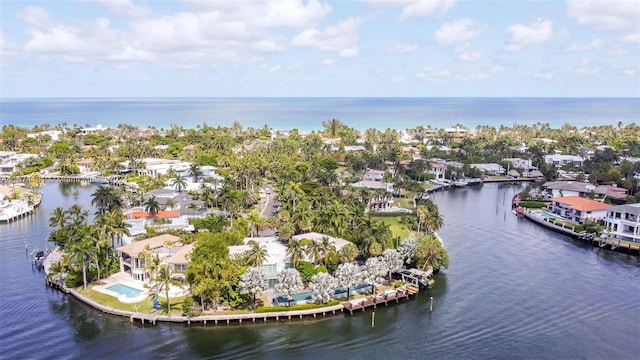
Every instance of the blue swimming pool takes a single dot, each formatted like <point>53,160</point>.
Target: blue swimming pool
<point>545,214</point>
<point>125,290</point>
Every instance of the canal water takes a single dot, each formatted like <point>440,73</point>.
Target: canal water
<point>513,291</point>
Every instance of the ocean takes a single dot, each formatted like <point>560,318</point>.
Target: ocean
<point>307,114</point>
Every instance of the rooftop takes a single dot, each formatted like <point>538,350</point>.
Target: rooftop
<point>580,203</point>
<point>135,248</point>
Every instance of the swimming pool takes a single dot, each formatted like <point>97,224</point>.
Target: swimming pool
<point>545,214</point>
<point>125,290</point>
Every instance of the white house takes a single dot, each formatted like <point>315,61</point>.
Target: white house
<point>623,222</point>
<point>133,260</point>
<point>53,134</point>
<point>317,237</point>
<point>438,171</point>
<point>11,161</point>
<point>277,258</point>
<point>577,209</point>
<point>490,168</point>
<point>559,160</point>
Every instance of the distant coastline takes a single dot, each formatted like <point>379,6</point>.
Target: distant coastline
<point>307,114</point>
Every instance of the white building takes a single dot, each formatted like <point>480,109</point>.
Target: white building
<point>11,161</point>
<point>490,168</point>
<point>54,134</point>
<point>438,171</point>
<point>91,130</point>
<point>623,222</point>
<point>559,160</point>
<point>578,209</point>
<point>277,259</point>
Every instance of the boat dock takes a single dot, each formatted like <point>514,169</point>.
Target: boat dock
<point>385,298</point>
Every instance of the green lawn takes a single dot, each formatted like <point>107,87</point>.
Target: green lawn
<point>145,306</point>
<point>397,228</point>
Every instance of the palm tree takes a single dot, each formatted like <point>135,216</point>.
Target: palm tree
<point>165,281</point>
<point>194,170</point>
<point>80,252</point>
<point>58,218</point>
<point>153,264</point>
<point>152,206</point>
<point>106,198</point>
<point>348,253</point>
<point>296,251</point>
<point>76,214</point>
<point>257,254</point>
<point>314,251</point>
<point>179,183</point>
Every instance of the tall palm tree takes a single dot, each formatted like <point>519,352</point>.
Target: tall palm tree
<point>153,264</point>
<point>77,214</point>
<point>106,198</point>
<point>152,206</point>
<point>256,255</point>
<point>58,218</point>
<point>314,251</point>
<point>179,183</point>
<point>165,281</point>
<point>296,251</point>
<point>194,170</point>
<point>81,252</point>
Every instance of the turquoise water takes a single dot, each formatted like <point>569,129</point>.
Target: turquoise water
<point>545,214</point>
<point>125,290</point>
<point>307,114</point>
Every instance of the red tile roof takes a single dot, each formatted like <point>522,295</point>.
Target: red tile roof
<point>159,215</point>
<point>580,203</point>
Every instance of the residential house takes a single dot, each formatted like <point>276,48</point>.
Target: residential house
<point>86,165</point>
<point>181,259</point>
<point>490,168</point>
<point>53,134</point>
<point>12,161</point>
<point>577,209</point>
<point>277,259</point>
<point>338,243</point>
<point>133,257</point>
<point>576,188</point>
<point>559,160</point>
<point>623,222</point>
<point>438,171</point>
<point>91,130</point>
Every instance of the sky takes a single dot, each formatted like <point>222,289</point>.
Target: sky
<point>317,48</point>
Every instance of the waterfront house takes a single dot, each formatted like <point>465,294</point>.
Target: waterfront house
<point>490,168</point>
<point>133,257</point>
<point>575,188</point>
<point>277,258</point>
<point>623,222</point>
<point>577,209</point>
<point>181,259</point>
<point>559,160</point>
<point>438,171</point>
<point>86,165</point>
<point>12,161</point>
<point>338,243</point>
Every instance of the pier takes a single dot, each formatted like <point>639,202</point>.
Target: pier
<point>389,296</point>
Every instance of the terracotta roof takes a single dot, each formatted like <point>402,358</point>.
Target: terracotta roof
<point>159,215</point>
<point>180,257</point>
<point>580,203</point>
<point>437,166</point>
<point>135,248</point>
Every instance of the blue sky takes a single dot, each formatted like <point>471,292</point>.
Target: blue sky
<point>129,48</point>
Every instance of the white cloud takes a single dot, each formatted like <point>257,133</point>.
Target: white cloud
<point>460,30</point>
<point>608,15</point>
<point>466,53</point>
<point>268,46</point>
<point>629,39</point>
<point>130,54</point>
<point>341,37</point>
<point>125,8</point>
<point>274,68</point>
<point>431,74</point>
<point>328,61</point>
<point>402,48</point>
<point>422,8</point>
<point>595,44</point>
<point>521,35</point>
<point>349,53</point>
<point>544,75</point>
<point>35,17</point>
<point>268,14</point>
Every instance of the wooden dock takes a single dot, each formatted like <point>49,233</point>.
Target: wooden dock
<point>380,299</point>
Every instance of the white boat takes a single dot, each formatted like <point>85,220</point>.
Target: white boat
<point>460,183</point>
